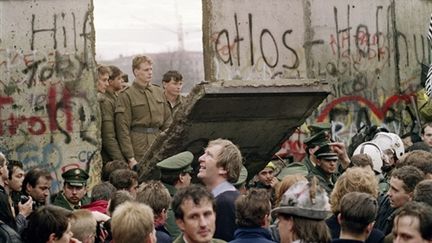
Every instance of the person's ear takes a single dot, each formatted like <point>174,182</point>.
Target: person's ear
<point>51,238</point>
<point>180,224</point>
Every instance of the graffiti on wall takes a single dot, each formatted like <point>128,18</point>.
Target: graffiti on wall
<point>368,52</point>
<point>47,97</point>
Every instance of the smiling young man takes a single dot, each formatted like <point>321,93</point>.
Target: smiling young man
<point>220,166</point>
<point>194,210</point>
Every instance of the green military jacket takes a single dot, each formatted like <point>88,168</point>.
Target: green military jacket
<point>61,201</point>
<point>324,181</point>
<point>181,240</point>
<point>141,114</point>
<point>170,223</point>
<point>110,146</point>
<point>174,107</point>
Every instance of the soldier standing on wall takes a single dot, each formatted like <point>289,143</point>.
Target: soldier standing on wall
<point>141,113</point>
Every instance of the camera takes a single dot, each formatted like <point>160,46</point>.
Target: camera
<point>24,199</point>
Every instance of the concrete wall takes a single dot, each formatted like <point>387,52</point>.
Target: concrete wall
<point>369,50</point>
<point>48,105</point>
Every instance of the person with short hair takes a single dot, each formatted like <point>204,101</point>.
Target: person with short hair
<point>74,191</point>
<point>426,133</point>
<point>420,159</point>
<point>358,211</point>
<point>423,192</point>
<point>253,217</point>
<point>220,166</point>
<point>172,82</point>
<point>155,195</point>
<point>354,179</point>
<point>402,183</point>
<point>6,214</point>
<point>37,184</point>
<point>83,226</point>
<point>141,113</point>
<point>49,224</point>
<point>110,167</point>
<point>103,76</point>
<point>125,179</point>
<point>110,146</point>
<point>413,223</point>
<point>194,210</point>
<point>100,196</point>
<point>132,222</point>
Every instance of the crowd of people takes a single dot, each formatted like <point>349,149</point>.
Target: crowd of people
<point>379,191</point>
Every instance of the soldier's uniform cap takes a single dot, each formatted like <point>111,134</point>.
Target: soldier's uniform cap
<point>178,162</point>
<point>325,152</point>
<point>317,139</point>
<point>295,168</point>
<point>297,201</point>
<point>319,127</point>
<point>75,177</point>
<point>242,177</point>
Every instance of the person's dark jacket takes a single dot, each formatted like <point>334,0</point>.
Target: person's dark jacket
<point>376,236</point>
<point>386,214</point>
<point>253,234</point>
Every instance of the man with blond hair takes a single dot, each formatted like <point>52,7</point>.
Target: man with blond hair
<point>83,226</point>
<point>220,166</point>
<point>132,222</point>
<point>142,112</point>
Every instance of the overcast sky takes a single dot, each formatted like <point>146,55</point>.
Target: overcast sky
<point>144,26</point>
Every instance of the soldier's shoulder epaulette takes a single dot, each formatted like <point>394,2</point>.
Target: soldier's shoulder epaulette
<point>124,89</point>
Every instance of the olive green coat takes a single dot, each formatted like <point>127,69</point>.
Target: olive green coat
<point>61,201</point>
<point>110,146</point>
<point>140,108</point>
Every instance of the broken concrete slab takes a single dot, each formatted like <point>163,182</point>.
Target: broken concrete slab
<point>256,115</point>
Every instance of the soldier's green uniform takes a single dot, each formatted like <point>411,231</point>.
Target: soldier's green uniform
<point>110,146</point>
<point>295,168</point>
<point>74,177</point>
<point>174,107</point>
<point>141,114</point>
<point>325,180</point>
<point>172,167</point>
<point>320,135</point>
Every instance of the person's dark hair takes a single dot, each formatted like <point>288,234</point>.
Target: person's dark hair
<point>112,166</point>
<point>45,221</point>
<point>410,176</point>
<point>419,159</point>
<point>118,198</point>
<point>357,210</point>
<point>31,178</point>
<point>252,208</point>
<point>427,124</point>
<point>115,72</point>
<point>309,230</point>
<point>172,74</point>
<point>196,193</point>
<point>123,179</point>
<point>423,192</point>
<point>362,160</point>
<point>419,146</point>
<point>12,164</point>
<point>102,191</point>
<point>422,212</point>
